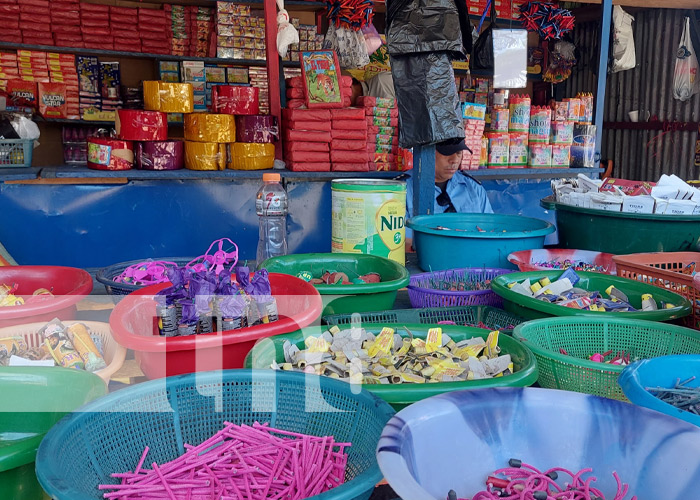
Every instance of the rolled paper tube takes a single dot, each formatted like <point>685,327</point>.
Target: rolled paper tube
<point>160,155</point>
<point>205,155</point>
<point>110,154</point>
<point>205,127</point>
<point>249,156</point>
<point>235,100</point>
<point>168,97</point>
<point>256,129</point>
<point>137,125</point>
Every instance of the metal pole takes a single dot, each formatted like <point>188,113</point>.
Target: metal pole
<point>606,21</point>
<point>423,180</point>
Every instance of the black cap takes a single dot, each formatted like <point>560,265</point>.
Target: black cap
<point>452,146</point>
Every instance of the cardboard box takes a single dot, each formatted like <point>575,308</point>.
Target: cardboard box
<point>605,202</point>
<point>638,204</point>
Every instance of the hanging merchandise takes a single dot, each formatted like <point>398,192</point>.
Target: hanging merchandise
<point>482,55</point>
<point>429,107</point>
<point>548,20</point>
<point>287,34</point>
<point>352,14</point>
<point>561,60</point>
<point>685,83</point>
<point>510,59</point>
<point>623,55</point>
<point>372,39</point>
<point>349,45</point>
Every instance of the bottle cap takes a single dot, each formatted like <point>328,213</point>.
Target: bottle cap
<point>271,177</point>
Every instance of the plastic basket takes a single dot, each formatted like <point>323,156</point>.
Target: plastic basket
<point>35,399</point>
<point>106,276</point>
<point>401,395</point>
<point>421,291</point>
<point>133,323</point>
<point>164,415</point>
<point>527,260</point>
<point>581,337</point>
<point>665,270</point>
<point>533,308</point>
<point>16,153</point>
<point>113,353</point>
<point>68,284</point>
<point>660,372</point>
<point>492,317</point>
<point>455,441</point>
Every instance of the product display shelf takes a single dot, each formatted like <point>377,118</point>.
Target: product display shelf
<point>139,55</point>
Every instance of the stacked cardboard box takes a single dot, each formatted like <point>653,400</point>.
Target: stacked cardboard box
<point>349,140</point>
<point>178,28</point>
<point>9,19</point>
<point>89,84</point>
<point>201,31</point>
<point>62,70</point>
<point>258,78</point>
<point>239,35</point>
<point>153,28</point>
<point>35,22</point>
<point>125,31</point>
<point>94,24</point>
<point>65,23</point>
<point>307,139</point>
<point>193,72</point>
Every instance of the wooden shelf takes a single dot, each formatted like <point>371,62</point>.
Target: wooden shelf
<point>140,55</point>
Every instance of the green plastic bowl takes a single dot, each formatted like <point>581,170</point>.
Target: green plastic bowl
<point>34,399</point>
<point>623,233</point>
<point>582,337</point>
<point>401,395</point>
<point>531,308</point>
<point>461,244</point>
<point>347,299</point>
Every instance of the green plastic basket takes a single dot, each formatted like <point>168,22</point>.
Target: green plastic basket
<point>341,299</point>
<point>532,308</point>
<point>582,337</point>
<point>492,317</point>
<point>401,395</point>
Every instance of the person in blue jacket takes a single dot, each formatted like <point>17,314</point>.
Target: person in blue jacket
<point>455,191</point>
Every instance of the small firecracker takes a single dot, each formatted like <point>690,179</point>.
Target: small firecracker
<point>340,278</point>
<point>352,14</point>
<point>681,395</point>
<point>549,20</point>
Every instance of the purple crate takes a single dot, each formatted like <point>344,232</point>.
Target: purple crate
<point>423,293</point>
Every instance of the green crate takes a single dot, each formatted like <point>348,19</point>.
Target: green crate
<point>492,317</point>
<point>582,337</point>
<point>401,395</point>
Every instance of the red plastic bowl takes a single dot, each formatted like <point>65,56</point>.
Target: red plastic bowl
<point>134,326</point>
<point>526,259</point>
<point>68,284</point>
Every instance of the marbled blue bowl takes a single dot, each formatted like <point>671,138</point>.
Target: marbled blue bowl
<point>454,440</point>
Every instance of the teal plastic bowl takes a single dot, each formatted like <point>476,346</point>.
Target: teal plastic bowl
<point>448,241</point>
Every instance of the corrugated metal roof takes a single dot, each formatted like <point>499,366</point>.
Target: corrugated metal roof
<point>642,154</point>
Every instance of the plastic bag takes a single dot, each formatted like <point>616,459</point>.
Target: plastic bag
<point>349,45</point>
<point>685,83</point>
<point>623,53</point>
<point>482,55</point>
<point>510,59</point>
<point>372,39</point>
<point>286,33</point>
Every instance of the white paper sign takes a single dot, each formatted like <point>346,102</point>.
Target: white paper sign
<point>510,59</point>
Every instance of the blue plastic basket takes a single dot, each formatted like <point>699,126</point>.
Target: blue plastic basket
<point>16,153</point>
<point>110,434</point>
<point>106,275</point>
<point>422,291</point>
<point>660,372</point>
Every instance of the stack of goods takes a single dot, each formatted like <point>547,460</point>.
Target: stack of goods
<point>381,116</point>
<point>71,346</point>
<point>350,147</point>
<point>307,139</point>
<point>309,39</point>
<point>75,144</point>
<point>34,22</point>
<point>239,35</point>
<point>192,72</point>
<point>201,30</point>
<point>133,97</point>
<point>170,73</point>
<point>213,76</point>
<point>563,292</point>
<point>110,86</point>
<point>206,139</point>
<point>504,10</point>
<point>89,85</point>
<point>258,78</point>
<point>669,196</point>
<point>20,73</point>
<point>65,24</point>
<point>206,302</point>
<point>95,27</point>
<point>124,30</point>
<point>178,29</point>
<point>153,29</point>
<point>9,19</point>
<point>388,358</point>
<point>64,78</point>
<point>474,124</point>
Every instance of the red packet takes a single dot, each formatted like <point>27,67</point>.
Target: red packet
<point>52,100</point>
<point>321,74</point>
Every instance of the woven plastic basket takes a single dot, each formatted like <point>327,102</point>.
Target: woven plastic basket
<point>16,153</point>
<point>106,275</point>
<point>110,434</point>
<point>665,270</point>
<point>423,291</point>
<point>492,317</point>
<point>583,336</point>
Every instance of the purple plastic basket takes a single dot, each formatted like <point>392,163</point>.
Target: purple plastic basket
<point>422,293</point>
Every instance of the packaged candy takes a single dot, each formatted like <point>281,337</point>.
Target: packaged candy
<point>79,336</point>
<point>59,345</point>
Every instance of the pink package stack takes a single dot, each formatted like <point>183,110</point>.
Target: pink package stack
<point>473,132</point>
<point>382,117</point>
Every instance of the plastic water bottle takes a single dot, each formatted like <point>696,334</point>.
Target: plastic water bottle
<point>271,207</point>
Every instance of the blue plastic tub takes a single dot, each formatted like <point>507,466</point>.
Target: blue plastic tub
<point>447,241</point>
<point>660,372</point>
<point>455,440</point>
<point>110,434</point>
